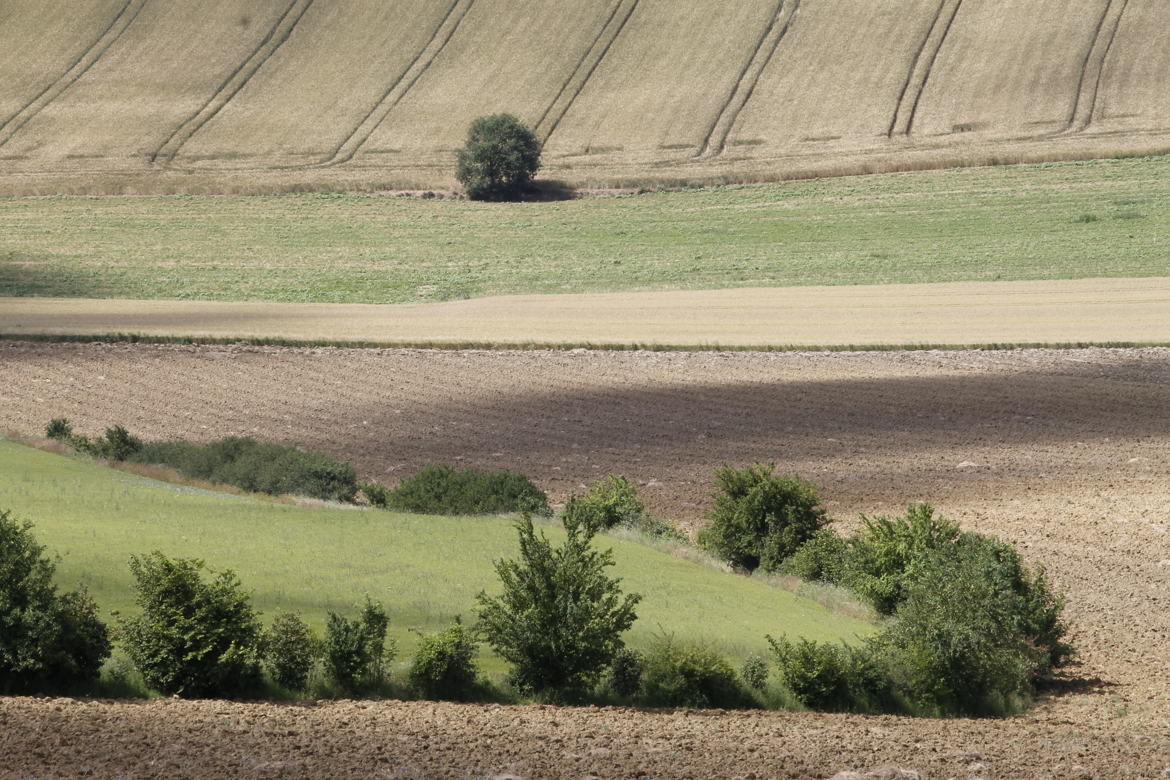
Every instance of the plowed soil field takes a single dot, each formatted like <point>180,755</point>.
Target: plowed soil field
<point>1066,453</point>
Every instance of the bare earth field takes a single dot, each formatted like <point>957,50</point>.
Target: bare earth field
<point>1057,311</point>
<point>1066,453</point>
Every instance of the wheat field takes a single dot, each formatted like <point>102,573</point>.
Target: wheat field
<point>107,96</point>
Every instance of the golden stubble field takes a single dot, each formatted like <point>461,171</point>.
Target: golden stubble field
<point>1066,453</point>
<point>109,96</point>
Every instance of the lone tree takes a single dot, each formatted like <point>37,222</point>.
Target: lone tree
<point>560,619</point>
<point>499,160</point>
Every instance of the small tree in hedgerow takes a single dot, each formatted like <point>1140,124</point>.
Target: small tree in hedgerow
<point>499,160</point>
<point>560,619</point>
<point>760,519</point>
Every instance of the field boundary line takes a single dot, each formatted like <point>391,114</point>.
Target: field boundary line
<point>915,85</point>
<point>574,85</point>
<point>562,346</point>
<point>422,61</point>
<point>277,36</point>
<point>79,67</point>
<point>1093,66</point>
<point>715,140</point>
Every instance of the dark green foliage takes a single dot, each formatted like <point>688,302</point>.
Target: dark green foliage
<point>376,493</point>
<point>194,637</point>
<point>625,672</point>
<point>754,672</point>
<point>441,490</point>
<point>116,444</point>
<point>825,676</point>
<point>290,650</point>
<point>887,555</point>
<point>444,665</point>
<point>47,641</point>
<point>499,159</point>
<point>955,646</point>
<point>823,558</point>
<point>613,502</point>
<point>261,467</point>
<point>356,651</point>
<point>559,619</point>
<point>683,675</point>
<point>760,519</point>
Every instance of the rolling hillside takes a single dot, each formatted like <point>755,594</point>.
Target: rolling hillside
<point>162,95</point>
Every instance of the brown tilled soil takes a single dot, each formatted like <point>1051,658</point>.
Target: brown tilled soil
<point>1067,453</point>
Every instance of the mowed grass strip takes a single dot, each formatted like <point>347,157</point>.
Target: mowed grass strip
<point>425,570</point>
<point>1051,221</point>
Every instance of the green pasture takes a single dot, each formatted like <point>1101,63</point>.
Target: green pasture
<point>1106,218</point>
<point>425,570</point>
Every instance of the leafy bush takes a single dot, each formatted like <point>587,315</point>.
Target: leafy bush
<point>441,490</point>
<point>290,649</point>
<point>760,519</point>
<point>47,640</point>
<point>625,672</point>
<point>117,443</point>
<point>356,651</point>
<point>499,159</point>
<point>261,467</point>
<point>444,665</point>
<point>376,493</point>
<point>683,675</point>
<point>754,672</point>
<point>613,502</point>
<point>822,558</point>
<point>559,619</point>
<point>825,676</point>
<point>194,637</point>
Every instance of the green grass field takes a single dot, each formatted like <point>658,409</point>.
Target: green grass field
<point>425,570</point>
<point>1053,221</point>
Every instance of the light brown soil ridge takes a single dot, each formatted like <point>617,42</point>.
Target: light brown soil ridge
<point>1097,311</point>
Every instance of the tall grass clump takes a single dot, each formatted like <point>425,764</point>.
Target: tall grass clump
<point>442,490</point>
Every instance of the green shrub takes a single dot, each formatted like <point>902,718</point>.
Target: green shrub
<point>760,519</point>
<point>625,672</point>
<point>376,493</point>
<point>290,649</point>
<point>887,555</point>
<point>823,558</point>
<point>559,619</point>
<point>59,429</point>
<point>116,444</point>
<point>48,641</point>
<point>444,665</point>
<point>356,651</point>
<point>260,467</point>
<point>684,675</point>
<point>754,672</point>
<point>193,637</point>
<point>441,490</point>
<point>825,676</point>
<point>611,503</point>
<point>499,159</point>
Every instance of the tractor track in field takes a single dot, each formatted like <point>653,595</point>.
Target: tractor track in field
<point>1065,453</point>
<point>277,36</point>
<point>86,60</point>
<point>715,140</point>
<point>917,78</point>
<point>1093,66</point>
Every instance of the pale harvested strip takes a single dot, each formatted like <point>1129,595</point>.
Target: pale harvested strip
<point>161,71</point>
<point>835,78</point>
<point>1079,311</point>
<point>1133,93</point>
<point>1010,69</point>
<point>505,56</point>
<point>302,105</point>
<point>666,79</point>
<point>28,67</point>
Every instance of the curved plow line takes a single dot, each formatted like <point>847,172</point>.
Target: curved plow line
<point>231,86</point>
<point>75,71</point>
<point>908,99</point>
<point>403,84</point>
<point>575,83</point>
<point>715,140</point>
<point>1093,68</point>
